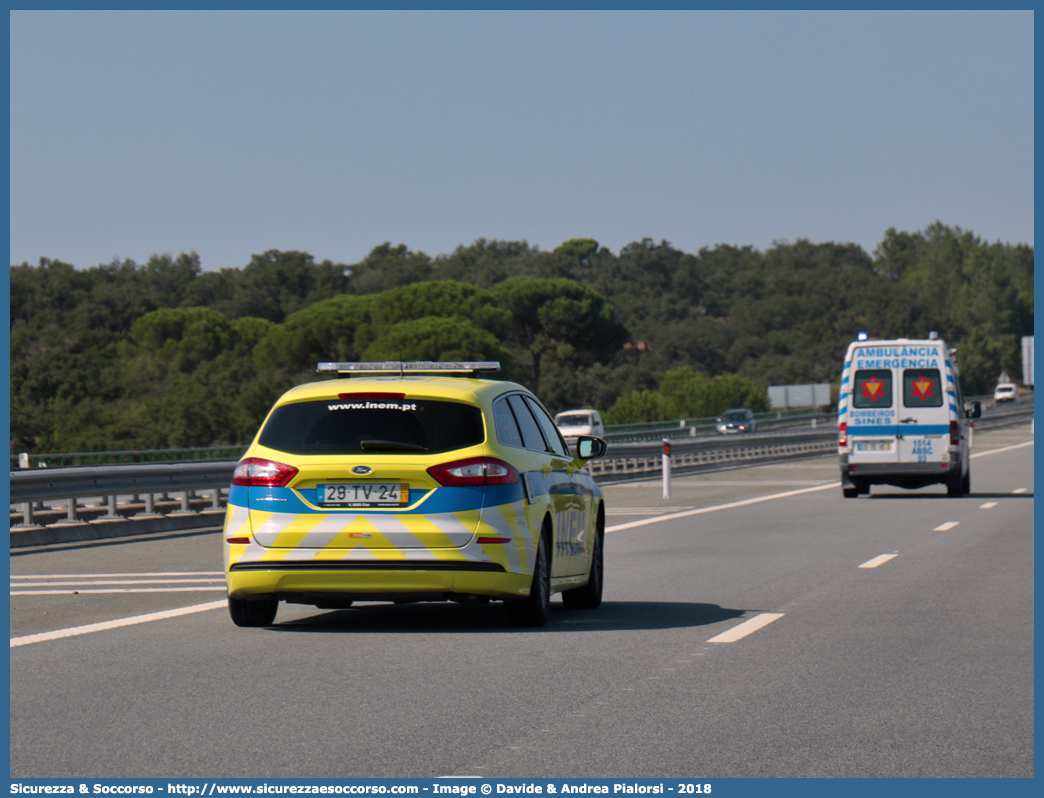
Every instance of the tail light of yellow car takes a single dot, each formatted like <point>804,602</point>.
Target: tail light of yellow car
<point>256,472</point>
<point>474,471</point>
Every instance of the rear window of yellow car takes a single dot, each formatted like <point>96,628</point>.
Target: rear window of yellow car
<point>343,427</point>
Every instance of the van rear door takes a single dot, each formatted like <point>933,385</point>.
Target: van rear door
<point>924,417</point>
<point>872,422</point>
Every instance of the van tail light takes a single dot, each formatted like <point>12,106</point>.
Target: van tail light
<point>256,472</point>
<point>474,471</point>
<point>955,434</point>
<point>842,434</point>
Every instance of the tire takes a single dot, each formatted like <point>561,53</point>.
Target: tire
<point>850,493</point>
<point>955,487</point>
<point>589,596</point>
<point>863,488</point>
<point>255,612</point>
<point>966,483</point>
<point>535,609</point>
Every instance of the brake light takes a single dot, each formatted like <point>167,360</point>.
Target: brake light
<point>256,472</point>
<point>955,434</point>
<point>372,395</point>
<point>842,434</point>
<point>474,471</point>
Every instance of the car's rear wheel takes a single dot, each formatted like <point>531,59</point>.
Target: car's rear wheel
<point>850,493</point>
<point>955,486</point>
<point>966,483</point>
<point>253,612</point>
<point>535,609</point>
<point>589,596</point>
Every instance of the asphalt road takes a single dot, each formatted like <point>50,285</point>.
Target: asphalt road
<point>756,624</point>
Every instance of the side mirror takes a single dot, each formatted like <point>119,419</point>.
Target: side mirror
<point>589,447</point>
<point>976,410</point>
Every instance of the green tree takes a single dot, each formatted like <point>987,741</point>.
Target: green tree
<point>558,320</point>
<point>638,406</point>
<point>437,338</point>
<point>388,267</point>
<point>335,329</point>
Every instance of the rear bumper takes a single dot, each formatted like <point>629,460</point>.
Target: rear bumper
<point>899,474</point>
<point>376,581</point>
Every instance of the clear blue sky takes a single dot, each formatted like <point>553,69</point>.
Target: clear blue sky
<point>230,133</point>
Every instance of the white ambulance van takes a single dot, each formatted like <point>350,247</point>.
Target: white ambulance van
<point>901,417</point>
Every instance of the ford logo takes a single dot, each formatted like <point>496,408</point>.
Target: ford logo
<point>361,470</point>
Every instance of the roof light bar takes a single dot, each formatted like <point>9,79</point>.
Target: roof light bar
<point>412,367</point>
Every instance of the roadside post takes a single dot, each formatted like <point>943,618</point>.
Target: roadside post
<point>666,468</point>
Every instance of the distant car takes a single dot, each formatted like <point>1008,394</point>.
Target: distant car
<point>735,421</point>
<point>574,423</point>
<point>1006,392</point>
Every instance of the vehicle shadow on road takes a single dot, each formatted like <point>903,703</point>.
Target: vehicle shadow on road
<point>450,618</point>
<point>967,497</point>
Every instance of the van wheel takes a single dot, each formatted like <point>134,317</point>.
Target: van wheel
<point>850,493</point>
<point>955,487</point>
<point>589,596</point>
<point>255,612</point>
<point>966,483</point>
<point>535,609</point>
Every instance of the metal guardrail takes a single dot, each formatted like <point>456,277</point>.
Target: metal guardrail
<point>644,457</point>
<point>1004,416</point>
<point>36,485</point>
<point>701,427</point>
<point>42,484</point>
<point>72,459</point>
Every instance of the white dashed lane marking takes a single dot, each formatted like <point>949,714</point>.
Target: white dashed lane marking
<point>746,628</point>
<point>988,506</point>
<point>946,527</point>
<point>880,559</point>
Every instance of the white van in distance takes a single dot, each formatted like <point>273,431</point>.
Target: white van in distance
<point>901,418</point>
<point>574,423</point>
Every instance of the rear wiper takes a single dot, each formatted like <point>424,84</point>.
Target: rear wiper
<point>398,445</point>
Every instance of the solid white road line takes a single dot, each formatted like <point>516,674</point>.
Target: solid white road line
<point>148,574</point>
<point>746,628</point>
<point>99,627</point>
<point>715,508</point>
<point>118,582</point>
<point>880,559</point>
<point>946,527</point>
<point>68,592</point>
<point>1003,449</point>
<point>988,506</point>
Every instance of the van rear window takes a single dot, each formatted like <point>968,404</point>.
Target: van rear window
<point>922,388</point>
<point>873,388</point>
<point>333,426</point>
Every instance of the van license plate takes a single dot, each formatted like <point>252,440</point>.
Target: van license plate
<point>874,446</point>
<point>364,494</point>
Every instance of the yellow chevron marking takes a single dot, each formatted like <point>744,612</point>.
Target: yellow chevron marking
<point>297,529</point>
<point>425,531</point>
<point>258,518</point>
<point>353,536</point>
